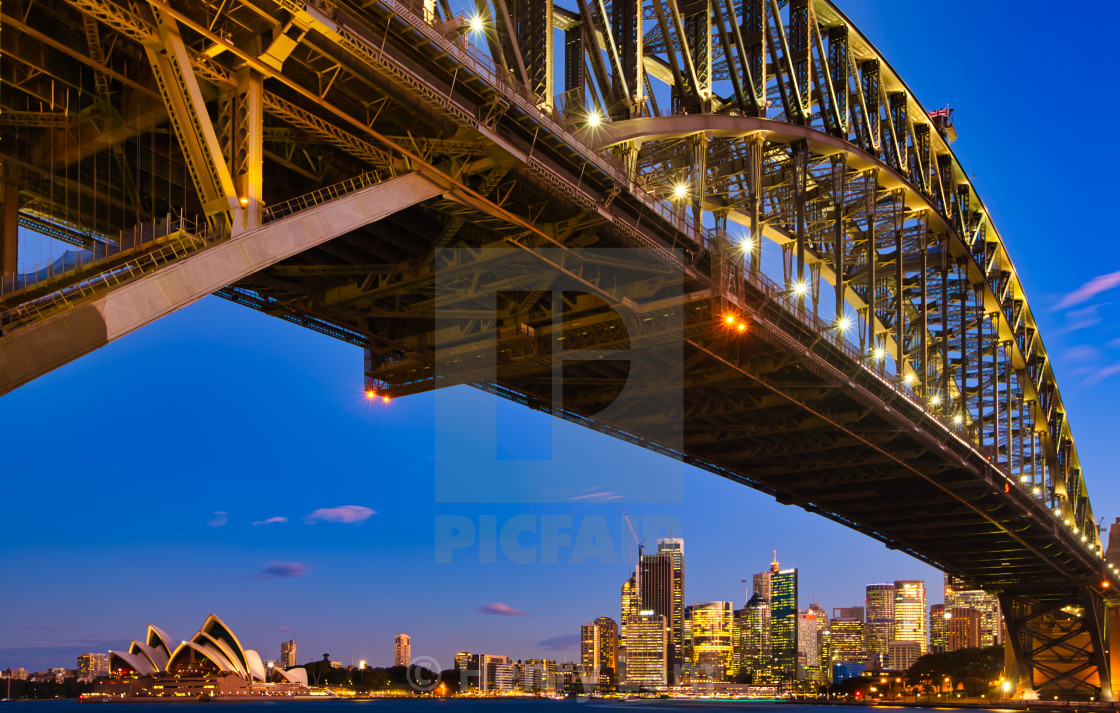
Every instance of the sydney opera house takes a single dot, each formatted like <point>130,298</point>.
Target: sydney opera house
<point>212,663</point>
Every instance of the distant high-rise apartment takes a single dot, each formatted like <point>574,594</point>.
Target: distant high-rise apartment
<point>92,666</point>
<point>901,655</point>
<point>608,651</point>
<point>937,643</point>
<point>783,625</point>
<point>660,586</point>
<point>962,628</point>
<point>960,595</point>
<point>402,650</point>
<point>631,605</point>
<point>647,649</point>
<point>589,651</point>
<point>910,613</point>
<point>879,627</point>
<point>288,654</point>
<point>809,625</point>
<point>760,590</point>
<point>712,640</point>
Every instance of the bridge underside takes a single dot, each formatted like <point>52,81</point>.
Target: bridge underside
<point>564,264</point>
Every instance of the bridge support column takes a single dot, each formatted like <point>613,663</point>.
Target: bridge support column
<point>9,229</point>
<point>1059,646</point>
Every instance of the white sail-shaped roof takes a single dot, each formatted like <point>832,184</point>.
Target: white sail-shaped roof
<point>137,662</point>
<point>256,666</point>
<point>293,675</point>
<point>211,644</point>
<point>160,642</point>
<point>157,660</point>
<point>216,629</point>
<point>207,652</point>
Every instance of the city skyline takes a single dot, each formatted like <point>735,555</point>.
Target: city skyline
<point>247,517</point>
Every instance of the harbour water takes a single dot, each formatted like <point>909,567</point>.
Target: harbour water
<point>460,705</point>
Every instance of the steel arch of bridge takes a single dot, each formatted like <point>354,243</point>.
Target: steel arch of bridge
<point>647,120</point>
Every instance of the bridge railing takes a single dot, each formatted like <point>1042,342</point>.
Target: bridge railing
<point>320,196</point>
<point>562,126</point>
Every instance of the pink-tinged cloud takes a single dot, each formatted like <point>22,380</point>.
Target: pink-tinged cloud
<point>1082,353</point>
<point>500,609</point>
<point>1095,286</point>
<point>270,521</point>
<point>221,517</point>
<point>346,514</point>
<point>285,630</point>
<point>601,497</point>
<point>287,570</point>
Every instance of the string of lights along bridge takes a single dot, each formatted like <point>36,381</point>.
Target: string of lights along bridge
<point>724,230</point>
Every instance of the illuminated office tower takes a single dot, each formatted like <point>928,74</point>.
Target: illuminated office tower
<point>647,649</point>
<point>712,640</point>
<point>783,625</point>
<point>402,650</point>
<point>962,628</point>
<point>811,626</point>
<point>608,651</point>
<point>846,641</point>
<point>752,631</point>
<point>910,612</point>
<point>959,595</point>
<point>879,626</point>
<point>848,613</point>
<point>630,607</point>
<point>674,548</point>
<point>937,644</point>
<point>589,651</point>
<point>288,654</point>
<point>760,588</point>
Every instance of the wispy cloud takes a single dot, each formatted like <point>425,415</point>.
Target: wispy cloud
<point>286,570</point>
<point>1082,353</point>
<point>285,630</point>
<point>347,514</point>
<point>1081,319</point>
<point>270,521</point>
<point>1101,374</point>
<point>500,609</point>
<point>1095,286</point>
<point>564,642</point>
<point>604,496</point>
<point>221,517</point>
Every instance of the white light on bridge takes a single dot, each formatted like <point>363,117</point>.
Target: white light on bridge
<point>476,24</point>
<point>910,378</point>
<point>746,244</point>
<point>958,419</point>
<point>843,323</point>
<point>680,191</point>
<point>800,288</point>
<point>1037,491</point>
<point>880,354</point>
<point>935,400</point>
<point>594,119</point>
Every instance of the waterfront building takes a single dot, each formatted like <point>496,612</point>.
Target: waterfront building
<point>937,643</point>
<point>783,625</point>
<point>962,628</point>
<point>92,666</point>
<point>288,654</point>
<point>901,655</point>
<point>910,613</point>
<point>462,660</point>
<point>647,649</point>
<point>212,662</point>
<point>960,594</point>
<point>530,678</point>
<point>811,628</point>
<point>551,680</point>
<point>589,651</point>
<point>630,607</point>
<point>711,640</point>
<point>402,650</point>
<point>760,587</point>
<point>879,626</point>
<point>16,674</point>
<point>486,672</point>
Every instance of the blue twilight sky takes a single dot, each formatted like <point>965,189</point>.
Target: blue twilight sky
<point>141,480</point>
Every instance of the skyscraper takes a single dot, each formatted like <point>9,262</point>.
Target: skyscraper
<point>937,643</point>
<point>960,595</point>
<point>783,625</point>
<point>589,651</point>
<point>879,627</point>
<point>647,649</point>
<point>608,651</point>
<point>288,654</point>
<point>674,547</point>
<point>630,608</point>
<point>711,638</point>
<point>752,630</point>
<point>962,628</point>
<point>846,641</point>
<point>910,613</point>
<point>402,650</point>
<point>760,590</point>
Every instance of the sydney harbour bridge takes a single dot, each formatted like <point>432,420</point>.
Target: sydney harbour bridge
<point>724,230</point>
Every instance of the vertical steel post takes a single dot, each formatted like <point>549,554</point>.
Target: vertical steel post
<point>870,188</point>
<point>838,170</point>
<point>800,169</point>
<point>755,199</point>
<point>898,204</point>
<point>9,229</point>
<point>923,283</point>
